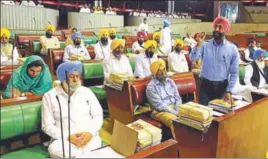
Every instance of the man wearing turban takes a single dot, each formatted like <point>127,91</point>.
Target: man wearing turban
<point>69,39</point>
<point>176,60</point>
<point>144,60</point>
<point>257,72</point>
<point>220,63</point>
<point>117,62</point>
<point>166,37</point>
<point>6,49</point>
<point>102,48</point>
<point>49,41</point>
<point>163,95</point>
<point>86,115</point>
<point>76,51</point>
<point>160,50</point>
<point>137,46</point>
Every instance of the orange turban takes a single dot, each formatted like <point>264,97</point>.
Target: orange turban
<point>178,41</point>
<point>158,64</point>
<point>225,24</point>
<point>5,32</point>
<point>50,27</point>
<point>115,43</point>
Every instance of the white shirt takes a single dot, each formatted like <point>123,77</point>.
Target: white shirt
<point>177,62</point>
<point>75,50</point>
<point>86,113</point>
<point>110,12</point>
<point>142,65</point>
<point>6,61</point>
<point>143,15</point>
<point>242,91</point>
<point>8,2</point>
<point>158,16</point>
<point>143,27</point>
<point>84,10</point>
<point>170,16</point>
<point>136,46</point>
<point>25,3</point>
<point>248,75</point>
<point>102,52</point>
<point>114,65</point>
<point>166,39</point>
<point>190,42</point>
<point>136,14</point>
<point>247,53</point>
<point>49,43</point>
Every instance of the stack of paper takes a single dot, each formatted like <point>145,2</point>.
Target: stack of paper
<point>148,135</point>
<point>195,115</point>
<point>221,105</point>
<point>120,77</point>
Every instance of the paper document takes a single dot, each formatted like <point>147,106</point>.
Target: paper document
<point>217,114</point>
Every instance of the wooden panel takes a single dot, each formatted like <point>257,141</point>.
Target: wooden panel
<point>14,101</point>
<point>245,135</point>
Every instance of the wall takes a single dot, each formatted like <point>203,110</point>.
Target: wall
<point>257,9</point>
<point>28,18</point>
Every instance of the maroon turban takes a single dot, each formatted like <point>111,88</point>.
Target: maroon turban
<point>140,33</point>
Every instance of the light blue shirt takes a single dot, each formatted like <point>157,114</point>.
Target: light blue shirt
<point>161,96</point>
<point>218,61</point>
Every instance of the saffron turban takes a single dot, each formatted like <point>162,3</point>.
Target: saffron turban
<point>157,34</point>
<point>258,53</point>
<point>76,35</point>
<point>50,27</point>
<point>178,41</point>
<point>115,43</point>
<point>70,67</point>
<point>104,32</point>
<point>225,24</point>
<point>150,43</point>
<point>112,31</point>
<point>5,32</point>
<point>140,33</point>
<point>159,64</point>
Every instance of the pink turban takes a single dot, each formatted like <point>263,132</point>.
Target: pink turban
<point>140,33</point>
<point>225,24</point>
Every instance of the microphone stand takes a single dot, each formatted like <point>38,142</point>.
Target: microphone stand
<point>69,124</point>
<point>12,63</point>
<point>61,128</point>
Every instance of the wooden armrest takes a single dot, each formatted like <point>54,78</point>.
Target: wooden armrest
<point>167,149</point>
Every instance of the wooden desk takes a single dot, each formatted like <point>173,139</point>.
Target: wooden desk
<point>242,133</point>
<point>14,101</point>
<point>167,149</point>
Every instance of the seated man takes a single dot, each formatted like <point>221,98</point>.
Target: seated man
<point>102,48</point>
<point>49,41</point>
<point>250,51</point>
<point>6,49</point>
<point>85,9</point>
<point>176,60</point>
<point>188,40</point>
<point>160,50</point>
<point>98,10</point>
<point>144,60</point>
<point>117,62</point>
<point>162,94</point>
<point>112,35</point>
<point>27,3</point>
<point>137,46</point>
<point>33,77</point>
<point>75,51</point>
<point>69,39</point>
<point>257,72</point>
<point>86,115</point>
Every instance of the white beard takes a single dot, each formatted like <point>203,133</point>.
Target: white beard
<point>260,64</point>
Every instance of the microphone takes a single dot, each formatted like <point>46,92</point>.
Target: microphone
<point>35,25</point>
<point>89,109</point>
<point>61,127</point>
<point>90,24</point>
<point>110,25</point>
<point>49,22</point>
<point>69,123</point>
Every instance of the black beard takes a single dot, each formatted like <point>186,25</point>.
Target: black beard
<point>149,54</point>
<point>104,41</point>
<point>140,42</point>
<point>218,35</point>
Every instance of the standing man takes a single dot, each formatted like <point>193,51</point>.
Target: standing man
<point>220,66</point>
<point>166,37</point>
<point>160,50</point>
<point>85,115</point>
<point>250,50</point>
<point>144,26</point>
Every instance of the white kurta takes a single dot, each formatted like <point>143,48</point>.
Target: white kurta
<point>143,27</point>
<point>86,116</point>
<point>177,62</point>
<point>247,54</point>
<point>6,61</point>
<point>136,46</point>
<point>113,65</point>
<point>49,43</point>
<point>248,75</point>
<point>166,39</point>
<point>71,50</point>
<point>101,51</point>
<point>142,65</point>
<point>85,10</point>
<point>243,91</point>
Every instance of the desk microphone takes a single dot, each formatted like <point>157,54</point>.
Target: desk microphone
<point>61,127</point>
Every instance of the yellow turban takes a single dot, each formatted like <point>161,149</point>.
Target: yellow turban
<point>112,31</point>
<point>5,32</point>
<point>178,41</point>
<point>115,43</point>
<point>149,43</point>
<point>156,34</point>
<point>50,27</point>
<point>104,32</point>
<point>156,65</point>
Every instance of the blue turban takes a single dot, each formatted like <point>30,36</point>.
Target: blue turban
<point>258,53</point>
<point>166,23</point>
<point>70,67</point>
<point>76,35</point>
